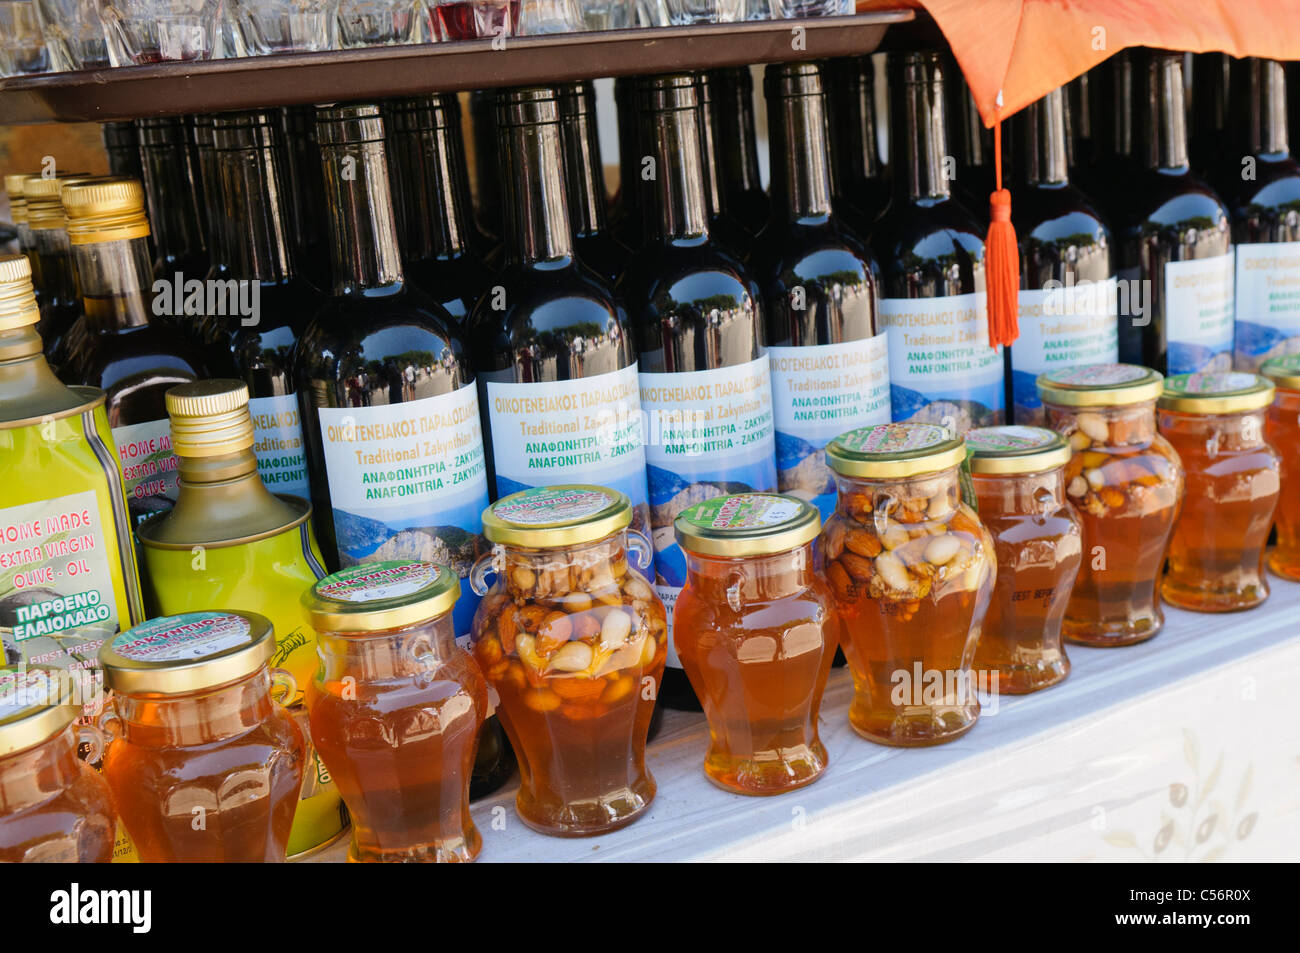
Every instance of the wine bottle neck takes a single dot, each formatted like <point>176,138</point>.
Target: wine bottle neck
<point>801,177</point>
<point>1166,111</point>
<point>536,207</point>
<point>921,133</point>
<point>672,128</point>
<point>248,159</point>
<point>430,180</point>
<point>172,188</point>
<point>1259,90</point>
<point>582,162</point>
<point>1046,161</point>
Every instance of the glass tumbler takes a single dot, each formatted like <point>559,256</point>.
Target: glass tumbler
<point>377,22</point>
<point>153,31</point>
<point>287,26</point>
<point>22,43</point>
<point>542,17</point>
<point>74,34</point>
<point>686,12</point>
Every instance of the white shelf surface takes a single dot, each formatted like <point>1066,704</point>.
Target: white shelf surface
<point>1186,747</point>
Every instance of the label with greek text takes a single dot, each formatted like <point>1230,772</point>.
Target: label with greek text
<point>277,442</point>
<point>1199,314</point>
<point>1268,303</point>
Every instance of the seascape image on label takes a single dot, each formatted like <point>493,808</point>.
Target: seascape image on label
<point>708,433</point>
<point>408,481</point>
<point>1199,314</point>
<point>1268,303</point>
<point>941,368</point>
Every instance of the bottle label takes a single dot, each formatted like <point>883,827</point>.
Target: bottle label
<point>149,468</point>
<point>56,587</point>
<point>587,430</point>
<point>941,368</point>
<point>1268,303</point>
<point>819,392</point>
<point>1198,314</point>
<point>408,481</point>
<point>707,433</point>
<point>1069,326</point>
<point>277,442</point>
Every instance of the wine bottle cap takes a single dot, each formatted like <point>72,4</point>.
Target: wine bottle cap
<point>209,418</point>
<point>17,300</point>
<point>17,200</point>
<point>104,209</point>
<point>44,207</point>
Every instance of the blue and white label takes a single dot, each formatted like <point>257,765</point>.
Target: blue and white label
<point>409,481</point>
<point>941,368</point>
<point>1065,326</point>
<point>1198,314</point>
<point>277,442</point>
<point>819,392</point>
<point>708,433</point>
<point>1268,303</point>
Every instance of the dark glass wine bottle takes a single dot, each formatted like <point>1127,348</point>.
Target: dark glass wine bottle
<point>1067,278</point>
<point>725,227</point>
<point>732,110</point>
<point>1175,246</point>
<point>126,352</point>
<point>830,364</point>
<point>1207,115</point>
<point>487,174</point>
<point>1265,205</point>
<point>440,242</point>
<point>698,319</point>
<point>1080,123</point>
<point>625,213</point>
<point>551,343</point>
<point>264,306</point>
<point>388,400</point>
<point>305,196</point>
<point>584,173</point>
<point>931,254</point>
<point>861,175</point>
<point>970,143</point>
<point>173,189</point>
<point>218,236</point>
<point>122,145</point>
<point>1115,164</point>
<point>53,272</point>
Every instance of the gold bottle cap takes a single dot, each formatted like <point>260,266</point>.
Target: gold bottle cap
<point>44,205</point>
<point>104,209</point>
<point>1100,385</point>
<point>376,597</point>
<point>36,703</point>
<point>171,655</point>
<point>209,418</point>
<point>546,517</point>
<point>890,451</point>
<point>1283,371</point>
<point>1215,392</point>
<point>17,200</point>
<point>18,307</point>
<point>747,524</point>
<point>1016,449</point>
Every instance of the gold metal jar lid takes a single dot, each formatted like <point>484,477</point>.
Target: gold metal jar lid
<point>1100,385</point>
<point>747,524</point>
<point>1215,392</point>
<point>1283,371</point>
<point>18,307</point>
<point>1016,449</point>
<point>545,517</point>
<point>209,418</point>
<point>17,200</point>
<point>175,654</point>
<point>104,209</point>
<point>36,703</point>
<point>375,597</point>
<point>891,451</point>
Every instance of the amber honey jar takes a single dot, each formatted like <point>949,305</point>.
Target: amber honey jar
<point>1282,431</point>
<point>1125,482</point>
<point>396,707</point>
<point>756,629</point>
<point>574,640</point>
<point>204,762</point>
<point>912,570</point>
<point>54,808</point>
<point>1215,421</point>
<point>1019,479</point>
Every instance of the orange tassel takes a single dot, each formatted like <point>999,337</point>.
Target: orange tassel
<point>1001,259</point>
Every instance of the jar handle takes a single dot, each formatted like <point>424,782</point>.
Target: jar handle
<point>735,591</point>
<point>881,507</point>
<point>489,562</point>
<point>95,741</point>
<point>108,728</point>
<point>288,684</point>
<point>418,650</point>
<point>638,543</point>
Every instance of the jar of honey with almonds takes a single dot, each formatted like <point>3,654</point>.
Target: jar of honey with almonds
<point>396,707</point>
<point>1282,431</point>
<point>756,630</point>
<point>912,570</point>
<point>1215,421</point>
<point>204,762</point>
<point>574,640</point>
<point>1019,479</point>
<point>1126,482</point>
<point>54,808</point>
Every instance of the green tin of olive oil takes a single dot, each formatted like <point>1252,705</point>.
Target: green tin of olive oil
<point>230,542</point>
<point>68,577</point>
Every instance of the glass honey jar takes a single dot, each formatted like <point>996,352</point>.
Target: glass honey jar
<point>574,640</point>
<point>1282,431</point>
<point>204,763</point>
<point>1215,421</point>
<point>1126,483</point>
<point>1019,479</point>
<point>912,570</point>
<point>756,630</point>
<point>54,808</point>
<point>396,707</point>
